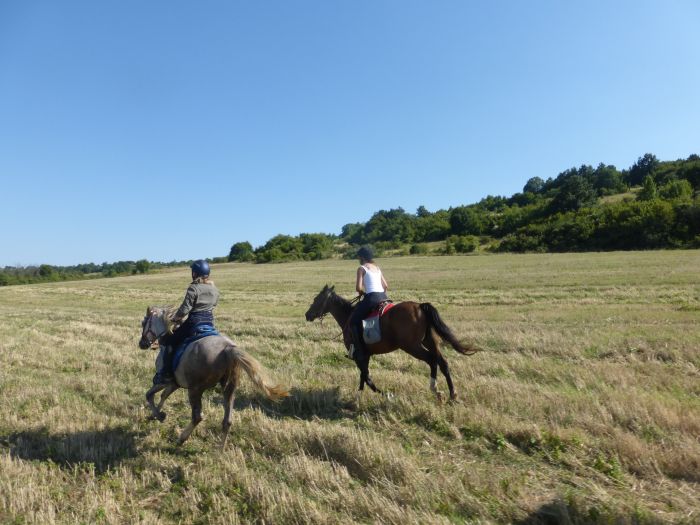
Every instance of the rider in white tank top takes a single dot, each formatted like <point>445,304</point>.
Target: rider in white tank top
<point>372,279</point>
<point>372,287</point>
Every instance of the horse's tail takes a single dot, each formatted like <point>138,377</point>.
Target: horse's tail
<point>436,322</point>
<point>256,373</point>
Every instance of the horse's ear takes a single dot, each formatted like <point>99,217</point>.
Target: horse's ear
<point>333,288</point>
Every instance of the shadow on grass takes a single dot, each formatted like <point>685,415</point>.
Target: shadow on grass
<point>302,403</point>
<point>104,449</point>
<point>558,512</point>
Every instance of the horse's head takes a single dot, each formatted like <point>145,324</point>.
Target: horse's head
<point>154,326</point>
<point>321,304</point>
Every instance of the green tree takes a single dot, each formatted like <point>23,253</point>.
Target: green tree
<point>644,166</point>
<point>142,266</point>
<point>241,252</point>
<point>607,180</point>
<point>677,189</point>
<point>533,185</point>
<point>467,220</point>
<point>46,271</point>
<point>648,191</point>
<point>575,193</point>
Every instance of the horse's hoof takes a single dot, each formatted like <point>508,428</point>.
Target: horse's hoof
<point>438,395</point>
<point>161,416</point>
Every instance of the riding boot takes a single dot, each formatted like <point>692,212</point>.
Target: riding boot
<point>357,347</point>
<point>165,373</point>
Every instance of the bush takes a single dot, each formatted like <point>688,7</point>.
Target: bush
<point>418,249</point>
<point>463,243</point>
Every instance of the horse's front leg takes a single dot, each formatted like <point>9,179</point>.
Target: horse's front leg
<point>155,411</point>
<point>363,365</point>
<point>166,394</point>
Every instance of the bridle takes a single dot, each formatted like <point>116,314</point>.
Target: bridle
<point>148,330</point>
<point>326,312</point>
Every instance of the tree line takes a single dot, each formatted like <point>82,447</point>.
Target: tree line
<point>47,273</point>
<point>652,204</point>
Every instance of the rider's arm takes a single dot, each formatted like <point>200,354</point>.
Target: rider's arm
<point>384,284</point>
<point>187,304</point>
<point>359,285</point>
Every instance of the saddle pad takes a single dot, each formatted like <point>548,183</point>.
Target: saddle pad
<point>202,332</point>
<point>371,330</point>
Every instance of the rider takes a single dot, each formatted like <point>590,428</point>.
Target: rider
<point>198,306</point>
<point>372,287</point>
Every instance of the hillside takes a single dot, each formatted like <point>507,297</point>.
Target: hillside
<point>584,405</point>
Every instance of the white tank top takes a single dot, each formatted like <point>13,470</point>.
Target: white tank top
<point>372,280</point>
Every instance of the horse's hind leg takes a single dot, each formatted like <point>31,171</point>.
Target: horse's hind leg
<point>195,396</point>
<point>229,390</point>
<point>422,353</point>
<point>433,348</point>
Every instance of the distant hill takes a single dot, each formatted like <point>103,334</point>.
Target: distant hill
<point>654,204</point>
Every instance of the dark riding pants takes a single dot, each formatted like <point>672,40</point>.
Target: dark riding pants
<point>364,307</point>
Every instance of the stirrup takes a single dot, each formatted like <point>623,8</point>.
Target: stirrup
<point>351,351</point>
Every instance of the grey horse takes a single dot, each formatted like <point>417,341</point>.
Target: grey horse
<point>206,362</point>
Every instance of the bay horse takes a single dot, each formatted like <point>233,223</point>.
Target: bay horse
<point>409,326</point>
<point>204,363</point>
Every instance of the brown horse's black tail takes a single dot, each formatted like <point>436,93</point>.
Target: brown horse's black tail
<point>436,322</point>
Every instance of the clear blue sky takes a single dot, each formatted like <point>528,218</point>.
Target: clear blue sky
<point>170,129</point>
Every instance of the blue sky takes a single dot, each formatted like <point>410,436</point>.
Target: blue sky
<point>170,130</point>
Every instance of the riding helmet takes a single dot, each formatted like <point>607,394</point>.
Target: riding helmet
<point>366,253</point>
<point>200,268</point>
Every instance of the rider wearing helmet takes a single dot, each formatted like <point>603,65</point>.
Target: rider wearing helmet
<point>200,299</point>
<point>372,287</point>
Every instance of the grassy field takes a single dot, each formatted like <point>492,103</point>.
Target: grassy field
<point>584,405</point>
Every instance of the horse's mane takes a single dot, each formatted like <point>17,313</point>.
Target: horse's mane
<point>343,302</point>
<point>167,312</point>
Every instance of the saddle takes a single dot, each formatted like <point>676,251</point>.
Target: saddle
<point>371,326</point>
<point>201,331</point>
<point>380,309</point>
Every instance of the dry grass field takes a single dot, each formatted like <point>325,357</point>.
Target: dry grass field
<point>584,406</point>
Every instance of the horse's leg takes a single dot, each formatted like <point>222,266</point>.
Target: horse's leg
<point>434,349</point>
<point>363,365</point>
<point>229,390</point>
<point>422,353</point>
<point>445,369</point>
<point>155,411</point>
<point>195,395</point>
<point>166,394</point>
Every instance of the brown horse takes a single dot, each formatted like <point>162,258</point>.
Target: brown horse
<point>408,325</point>
<point>205,362</point>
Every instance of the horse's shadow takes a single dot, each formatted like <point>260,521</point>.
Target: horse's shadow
<point>104,449</point>
<point>559,512</point>
<point>302,403</point>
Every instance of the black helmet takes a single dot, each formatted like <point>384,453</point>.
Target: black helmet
<point>365,253</point>
<point>200,268</point>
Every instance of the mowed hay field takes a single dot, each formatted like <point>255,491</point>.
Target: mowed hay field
<point>584,405</point>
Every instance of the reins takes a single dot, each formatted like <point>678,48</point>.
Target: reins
<point>323,315</point>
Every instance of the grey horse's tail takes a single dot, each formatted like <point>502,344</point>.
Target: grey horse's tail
<point>436,322</point>
<point>256,373</point>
